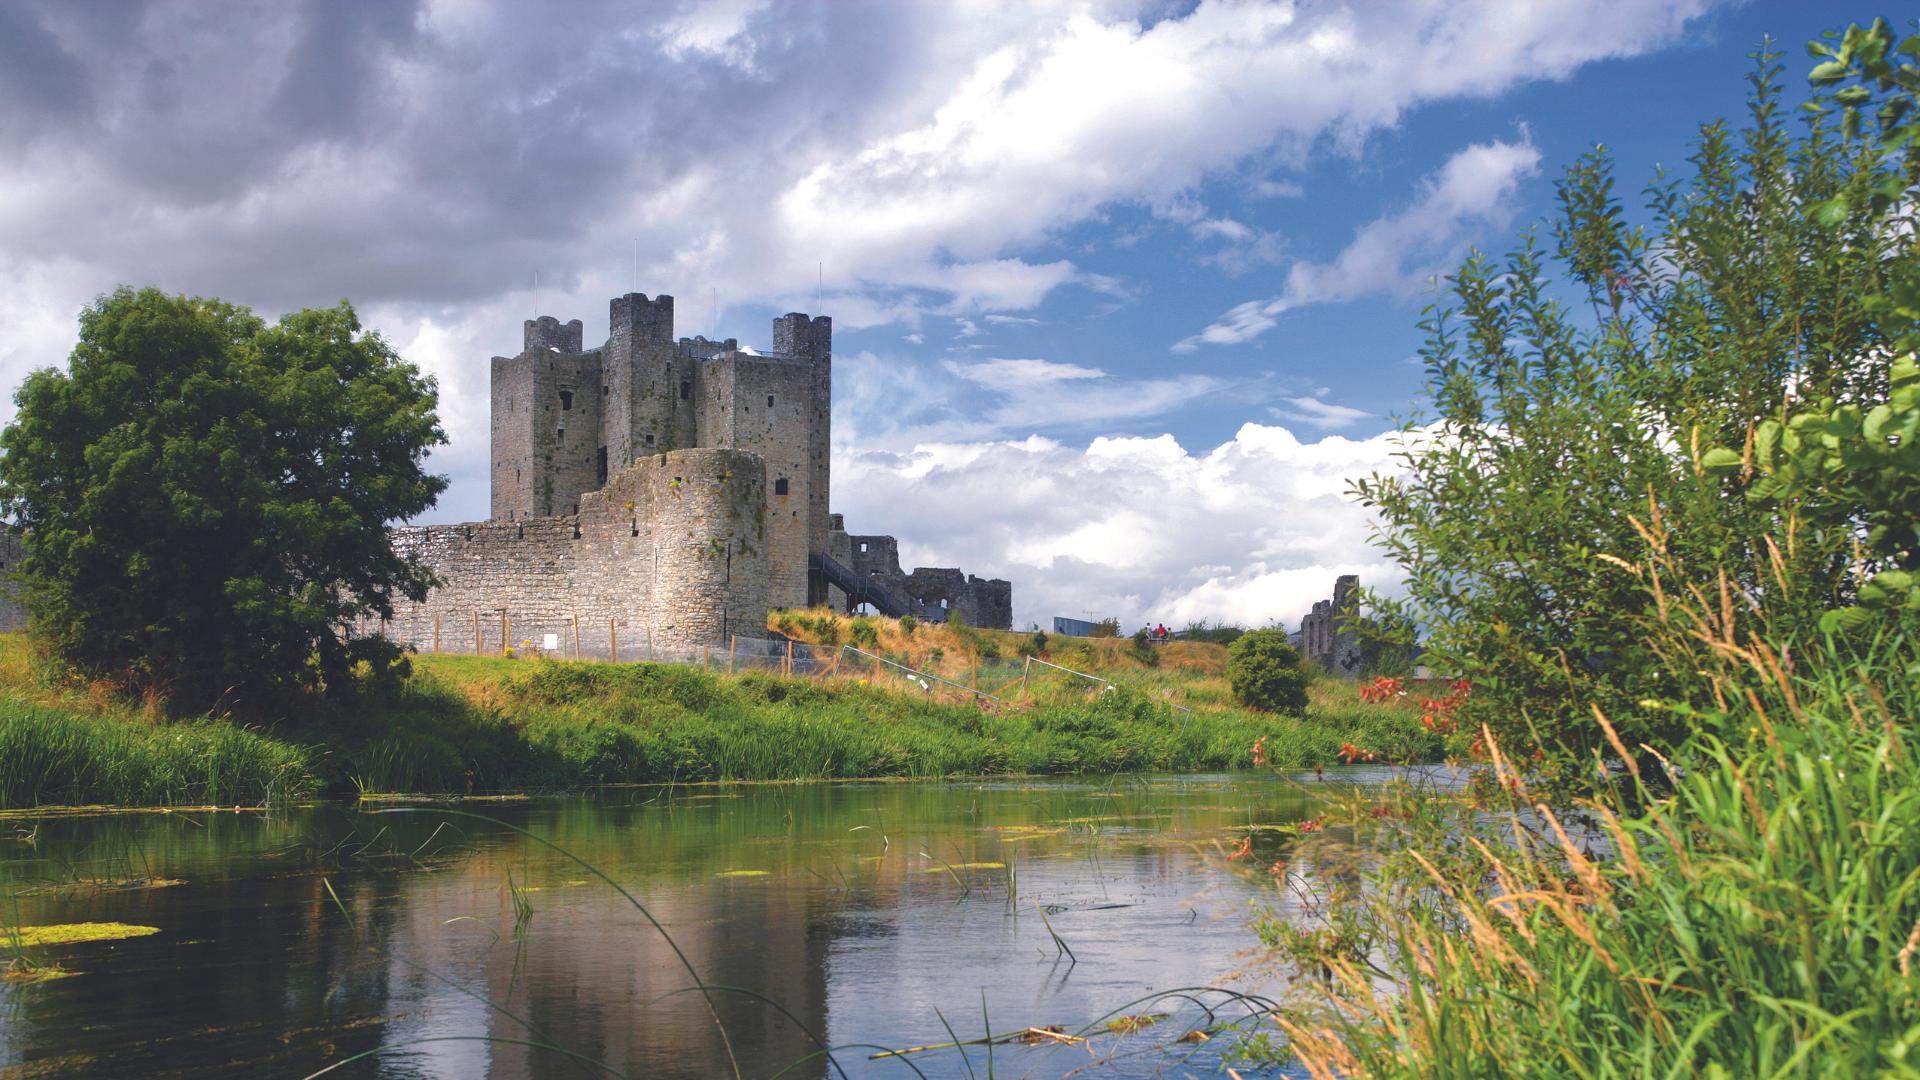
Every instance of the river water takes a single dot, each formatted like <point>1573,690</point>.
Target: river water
<point>875,913</point>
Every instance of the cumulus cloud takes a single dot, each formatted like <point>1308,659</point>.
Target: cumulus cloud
<point>882,162</point>
<point>1251,531</point>
<point>1473,190</point>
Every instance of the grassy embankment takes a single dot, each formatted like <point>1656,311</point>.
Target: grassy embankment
<point>465,724</point>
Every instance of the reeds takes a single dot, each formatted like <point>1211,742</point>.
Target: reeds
<point>1752,911</point>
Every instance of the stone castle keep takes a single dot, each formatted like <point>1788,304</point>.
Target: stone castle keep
<point>663,492</point>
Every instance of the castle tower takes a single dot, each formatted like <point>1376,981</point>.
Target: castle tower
<point>796,335</point>
<point>546,422</point>
<point>649,385</point>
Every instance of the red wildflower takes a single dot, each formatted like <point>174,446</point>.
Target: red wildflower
<point>1310,825</point>
<point>1278,869</point>
<point>1382,689</point>
<point>1260,752</point>
<point>1353,753</point>
<point>1246,848</point>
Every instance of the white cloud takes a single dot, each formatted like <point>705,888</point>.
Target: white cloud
<point>1318,412</point>
<point>1389,254</point>
<point>880,162</point>
<point>915,339</point>
<point>1016,374</point>
<point>1251,531</point>
<point>891,404</point>
<point>1222,229</point>
<point>1012,320</point>
<point>716,28</point>
<point>1277,189</point>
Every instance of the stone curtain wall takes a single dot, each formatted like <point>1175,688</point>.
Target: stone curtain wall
<point>673,552</point>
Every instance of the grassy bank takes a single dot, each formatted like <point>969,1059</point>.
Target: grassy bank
<point>486,724</point>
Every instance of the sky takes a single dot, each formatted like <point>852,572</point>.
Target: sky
<point>1124,293</point>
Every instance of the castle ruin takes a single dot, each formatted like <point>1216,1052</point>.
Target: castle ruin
<point>662,492</point>
<point>1326,639</point>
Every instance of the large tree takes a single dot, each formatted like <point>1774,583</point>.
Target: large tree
<point>1589,398</point>
<point>205,496</point>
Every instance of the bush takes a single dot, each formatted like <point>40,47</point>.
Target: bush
<point>1105,628</point>
<point>1140,646</point>
<point>1265,672</point>
<point>1771,276</point>
<point>862,634</point>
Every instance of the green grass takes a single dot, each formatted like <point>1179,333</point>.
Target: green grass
<point>1758,917</point>
<point>488,724</point>
<point>53,756</point>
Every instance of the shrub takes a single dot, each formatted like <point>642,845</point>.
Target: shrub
<point>862,634</point>
<point>1560,447</point>
<point>1265,672</point>
<point>1105,628</point>
<point>1140,646</point>
<point>907,624</point>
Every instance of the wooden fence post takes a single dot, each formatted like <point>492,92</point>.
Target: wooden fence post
<point>613,641</point>
<point>576,635</point>
<point>476,631</point>
<point>436,633</point>
<point>733,642</point>
<point>789,656</point>
<point>506,633</point>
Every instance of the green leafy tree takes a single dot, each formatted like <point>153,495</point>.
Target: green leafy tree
<point>205,497</point>
<point>1265,672</point>
<point>1563,482</point>
<point>1844,472</point>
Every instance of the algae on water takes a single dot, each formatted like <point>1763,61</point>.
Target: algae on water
<point>28,937</point>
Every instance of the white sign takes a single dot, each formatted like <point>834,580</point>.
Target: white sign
<point>551,643</point>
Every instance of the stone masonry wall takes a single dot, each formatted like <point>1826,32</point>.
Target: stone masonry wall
<point>673,552</point>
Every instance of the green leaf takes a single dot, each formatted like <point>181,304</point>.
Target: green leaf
<point>1721,459</point>
<point>1830,212</point>
<point>1828,73</point>
<point>1844,620</point>
<point>1766,440</point>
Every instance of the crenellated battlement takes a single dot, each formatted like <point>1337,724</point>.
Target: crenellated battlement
<point>547,332</point>
<point>647,321</point>
<point>795,334</point>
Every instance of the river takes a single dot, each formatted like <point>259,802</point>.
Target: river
<point>445,945</point>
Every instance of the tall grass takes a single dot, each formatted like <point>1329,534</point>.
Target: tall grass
<point>1750,909</point>
<point>52,756</point>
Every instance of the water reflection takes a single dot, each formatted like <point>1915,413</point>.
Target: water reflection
<point>298,939</point>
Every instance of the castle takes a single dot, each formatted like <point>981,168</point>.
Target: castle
<point>658,492</point>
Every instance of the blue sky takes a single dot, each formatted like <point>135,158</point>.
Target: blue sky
<point>1125,292</point>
